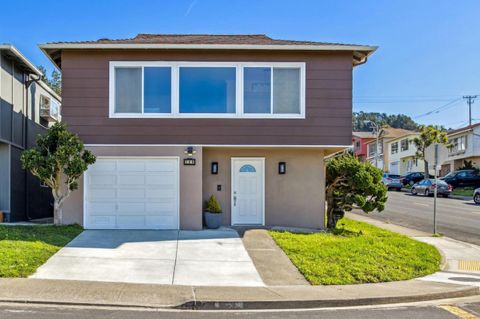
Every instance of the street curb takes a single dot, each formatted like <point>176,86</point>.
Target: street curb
<point>264,304</point>
<point>405,190</point>
<point>330,303</point>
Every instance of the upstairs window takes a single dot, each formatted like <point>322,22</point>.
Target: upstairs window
<point>404,145</point>
<point>207,89</point>
<point>142,90</point>
<point>394,148</point>
<point>458,144</point>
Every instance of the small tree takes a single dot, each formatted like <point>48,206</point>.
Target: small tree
<point>429,135</point>
<point>212,205</point>
<point>58,160</point>
<point>352,184</point>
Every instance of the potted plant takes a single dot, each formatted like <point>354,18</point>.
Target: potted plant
<point>213,213</point>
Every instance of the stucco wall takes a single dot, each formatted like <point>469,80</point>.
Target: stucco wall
<point>294,199</point>
<point>190,183</point>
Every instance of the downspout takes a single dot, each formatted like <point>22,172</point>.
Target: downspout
<point>28,82</point>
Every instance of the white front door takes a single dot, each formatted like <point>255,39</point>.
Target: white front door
<point>248,191</point>
<point>394,168</point>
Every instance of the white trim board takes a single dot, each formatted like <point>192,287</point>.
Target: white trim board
<point>239,66</point>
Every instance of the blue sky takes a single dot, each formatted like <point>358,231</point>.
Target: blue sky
<point>428,56</point>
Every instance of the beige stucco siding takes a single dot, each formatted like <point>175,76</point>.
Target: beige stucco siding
<point>190,183</point>
<point>294,199</point>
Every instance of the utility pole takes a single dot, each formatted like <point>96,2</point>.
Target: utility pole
<point>435,191</point>
<point>470,99</point>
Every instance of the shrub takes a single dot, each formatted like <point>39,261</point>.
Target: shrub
<point>213,206</point>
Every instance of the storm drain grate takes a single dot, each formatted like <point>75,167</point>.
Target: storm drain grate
<point>472,265</point>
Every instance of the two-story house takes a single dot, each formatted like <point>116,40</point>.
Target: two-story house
<point>376,155</point>
<point>402,155</point>
<point>174,119</point>
<point>359,144</point>
<point>463,145</point>
<point>27,106</point>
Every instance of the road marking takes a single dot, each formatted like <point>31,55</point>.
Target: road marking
<point>422,204</point>
<point>471,265</point>
<point>460,313</point>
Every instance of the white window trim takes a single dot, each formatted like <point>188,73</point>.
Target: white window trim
<point>175,66</point>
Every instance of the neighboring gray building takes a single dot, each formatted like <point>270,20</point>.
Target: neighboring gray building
<point>27,108</point>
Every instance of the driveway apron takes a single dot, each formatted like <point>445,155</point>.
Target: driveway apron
<point>198,258</point>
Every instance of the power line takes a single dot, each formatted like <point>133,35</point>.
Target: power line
<point>440,108</point>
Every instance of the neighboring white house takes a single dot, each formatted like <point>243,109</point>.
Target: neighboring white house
<point>382,159</point>
<point>402,159</point>
<point>464,145</point>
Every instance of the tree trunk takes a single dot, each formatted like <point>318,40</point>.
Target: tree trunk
<point>425,163</point>
<point>57,212</point>
<point>330,205</point>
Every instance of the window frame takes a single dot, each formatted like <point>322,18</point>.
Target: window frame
<point>175,93</point>
<point>392,149</point>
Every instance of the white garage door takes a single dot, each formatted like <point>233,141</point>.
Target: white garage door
<point>132,193</point>
<point>394,168</point>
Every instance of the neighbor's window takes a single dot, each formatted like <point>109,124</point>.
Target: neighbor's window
<point>458,144</point>
<point>153,97</point>
<point>207,90</point>
<point>394,148</point>
<point>404,145</point>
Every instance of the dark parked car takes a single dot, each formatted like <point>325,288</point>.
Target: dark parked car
<point>412,178</point>
<point>467,177</point>
<point>427,188</point>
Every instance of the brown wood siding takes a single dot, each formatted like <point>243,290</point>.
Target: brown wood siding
<point>328,102</point>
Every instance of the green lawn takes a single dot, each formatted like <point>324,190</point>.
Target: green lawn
<point>24,248</point>
<point>463,191</point>
<point>357,253</point>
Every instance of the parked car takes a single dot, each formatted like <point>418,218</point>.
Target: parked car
<point>427,187</point>
<point>476,196</point>
<point>462,178</point>
<point>412,178</point>
<point>392,181</point>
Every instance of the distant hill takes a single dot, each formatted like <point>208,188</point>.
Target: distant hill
<point>393,120</point>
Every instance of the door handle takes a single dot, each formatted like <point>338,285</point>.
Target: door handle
<point>234,198</point>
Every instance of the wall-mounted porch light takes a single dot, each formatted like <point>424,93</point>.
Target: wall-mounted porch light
<point>282,168</point>
<point>214,168</point>
<point>190,151</point>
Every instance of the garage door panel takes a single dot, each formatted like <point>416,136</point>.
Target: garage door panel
<point>132,194</point>
<point>102,180</point>
<point>131,166</point>
<point>161,166</point>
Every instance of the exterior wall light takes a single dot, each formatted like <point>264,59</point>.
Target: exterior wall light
<point>282,168</point>
<point>214,168</point>
<point>190,151</point>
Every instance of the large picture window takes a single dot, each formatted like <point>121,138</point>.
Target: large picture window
<point>207,89</point>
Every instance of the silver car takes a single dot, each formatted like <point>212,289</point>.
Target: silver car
<point>392,181</point>
<point>427,187</point>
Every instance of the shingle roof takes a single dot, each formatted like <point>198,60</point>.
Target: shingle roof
<point>246,39</point>
<point>206,42</point>
<point>462,129</point>
<point>364,134</point>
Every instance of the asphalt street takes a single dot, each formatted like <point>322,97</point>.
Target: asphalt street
<point>457,219</point>
<point>470,311</point>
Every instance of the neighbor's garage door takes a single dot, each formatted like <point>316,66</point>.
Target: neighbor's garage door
<point>132,193</point>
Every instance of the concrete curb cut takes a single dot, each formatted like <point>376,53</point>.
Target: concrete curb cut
<point>326,303</point>
<point>265,304</point>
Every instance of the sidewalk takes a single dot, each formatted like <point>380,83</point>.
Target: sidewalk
<point>63,292</point>
<point>459,279</point>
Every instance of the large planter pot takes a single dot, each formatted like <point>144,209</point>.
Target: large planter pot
<point>212,220</point>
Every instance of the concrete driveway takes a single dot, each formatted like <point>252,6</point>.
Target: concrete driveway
<point>198,258</point>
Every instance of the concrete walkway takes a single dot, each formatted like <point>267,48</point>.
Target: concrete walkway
<point>196,258</point>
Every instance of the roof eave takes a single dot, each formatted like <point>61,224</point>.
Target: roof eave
<point>21,57</point>
<point>361,52</point>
